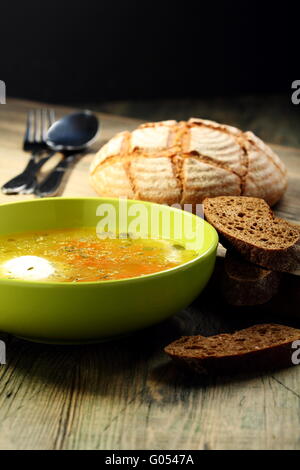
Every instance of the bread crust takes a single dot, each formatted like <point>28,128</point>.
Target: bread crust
<point>207,159</point>
<point>263,239</point>
<point>230,353</point>
<point>244,283</point>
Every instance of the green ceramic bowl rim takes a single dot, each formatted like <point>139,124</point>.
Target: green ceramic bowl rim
<point>141,278</point>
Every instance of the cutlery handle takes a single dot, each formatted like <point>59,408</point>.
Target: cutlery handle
<point>51,184</point>
<point>25,182</point>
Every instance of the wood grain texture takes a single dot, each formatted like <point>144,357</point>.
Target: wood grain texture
<point>272,117</point>
<point>126,394</point>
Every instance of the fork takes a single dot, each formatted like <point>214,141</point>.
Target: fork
<point>38,122</point>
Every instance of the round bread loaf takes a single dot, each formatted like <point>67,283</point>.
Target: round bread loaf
<point>173,162</point>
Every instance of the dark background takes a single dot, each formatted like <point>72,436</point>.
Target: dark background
<point>61,51</point>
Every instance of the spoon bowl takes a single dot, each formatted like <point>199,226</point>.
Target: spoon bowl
<point>75,131</point>
<point>70,135</point>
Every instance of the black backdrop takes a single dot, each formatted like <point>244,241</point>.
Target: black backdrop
<point>108,49</point>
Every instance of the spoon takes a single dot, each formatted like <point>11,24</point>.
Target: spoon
<point>70,135</point>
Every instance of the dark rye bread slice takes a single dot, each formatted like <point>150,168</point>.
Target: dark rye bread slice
<point>248,225</point>
<point>244,283</point>
<point>268,346</point>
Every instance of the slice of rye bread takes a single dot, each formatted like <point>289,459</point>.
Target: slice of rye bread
<point>244,283</point>
<point>248,225</point>
<point>266,346</point>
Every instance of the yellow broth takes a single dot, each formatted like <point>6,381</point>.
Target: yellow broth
<point>79,255</point>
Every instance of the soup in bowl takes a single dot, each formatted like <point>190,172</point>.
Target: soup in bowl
<point>78,270</point>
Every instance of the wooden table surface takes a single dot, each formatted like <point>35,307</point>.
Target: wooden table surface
<point>126,394</point>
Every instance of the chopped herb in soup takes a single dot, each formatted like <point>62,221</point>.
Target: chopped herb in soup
<point>79,255</point>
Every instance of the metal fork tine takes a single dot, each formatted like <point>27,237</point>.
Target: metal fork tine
<point>44,125</point>
<point>36,126</point>
<point>28,132</point>
<point>37,123</point>
<point>51,116</point>
<point>40,125</point>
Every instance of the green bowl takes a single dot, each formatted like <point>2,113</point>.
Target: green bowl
<point>57,312</point>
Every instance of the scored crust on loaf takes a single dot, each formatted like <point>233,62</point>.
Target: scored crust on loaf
<point>202,179</point>
<point>256,141</point>
<point>220,147</point>
<point>151,139</point>
<point>263,178</point>
<point>260,346</point>
<point>112,147</point>
<point>206,158</point>
<point>154,178</point>
<point>115,181</point>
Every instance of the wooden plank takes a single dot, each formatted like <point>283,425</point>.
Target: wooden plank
<point>289,206</point>
<point>272,117</point>
<point>126,394</point>
<point>13,159</point>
